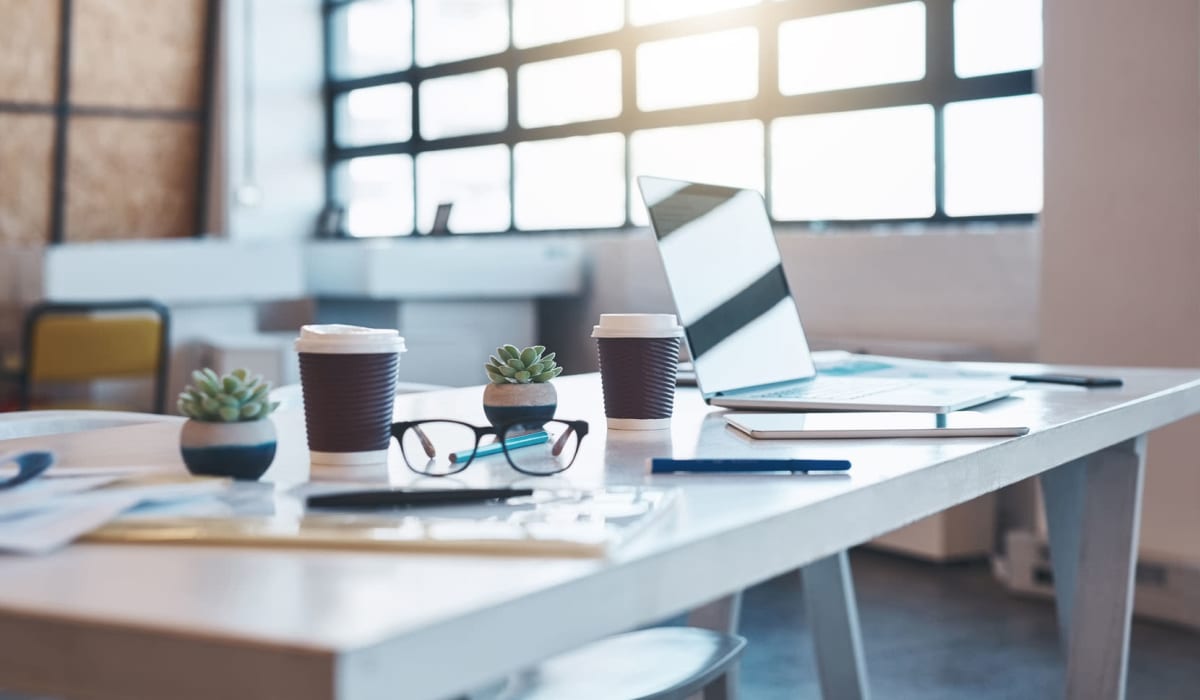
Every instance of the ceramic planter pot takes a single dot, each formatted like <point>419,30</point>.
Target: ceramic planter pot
<point>533,404</point>
<point>241,450</point>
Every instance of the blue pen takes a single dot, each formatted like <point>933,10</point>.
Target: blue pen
<point>662,465</point>
<point>495,448</point>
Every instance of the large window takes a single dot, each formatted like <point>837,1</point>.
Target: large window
<point>534,115</point>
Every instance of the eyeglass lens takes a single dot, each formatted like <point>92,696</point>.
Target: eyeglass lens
<point>437,448</point>
<point>548,456</point>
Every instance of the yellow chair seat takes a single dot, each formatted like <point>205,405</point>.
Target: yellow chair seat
<point>112,348</point>
<point>79,343</point>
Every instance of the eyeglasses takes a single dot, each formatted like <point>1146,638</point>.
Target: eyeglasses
<point>444,447</point>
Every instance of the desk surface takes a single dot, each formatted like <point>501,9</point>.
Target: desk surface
<point>204,622</point>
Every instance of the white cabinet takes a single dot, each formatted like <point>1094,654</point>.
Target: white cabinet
<point>453,299</point>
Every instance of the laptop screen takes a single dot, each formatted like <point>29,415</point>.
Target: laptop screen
<point>726,275</point>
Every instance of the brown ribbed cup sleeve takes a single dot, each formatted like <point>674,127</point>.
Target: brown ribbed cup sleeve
<point>348,400</point>
<point>638,375</point>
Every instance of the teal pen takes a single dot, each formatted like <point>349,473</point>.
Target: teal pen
<point>495,448</point>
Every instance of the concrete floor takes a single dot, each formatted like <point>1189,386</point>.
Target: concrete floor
<point>941,632</point>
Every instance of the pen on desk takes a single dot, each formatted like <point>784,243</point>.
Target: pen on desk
<point>741,466</point>
<point>495,448</point>
<point>399,498</point>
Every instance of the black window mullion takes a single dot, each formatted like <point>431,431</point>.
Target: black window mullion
<point>939,70</point>
<point>939,87</point>
<point>332,197</point>
<point>768,91</point>
<point>415,92</point>
<point>510,67</point>
<point>629,107</point>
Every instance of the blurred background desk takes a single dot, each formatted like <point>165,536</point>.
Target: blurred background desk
<point>238,303</point>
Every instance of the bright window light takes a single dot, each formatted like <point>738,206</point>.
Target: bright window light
<point>475,180</point>
<point>537,22</point>
<point>373,36</point>
<point>996,36</point>
<point>470,103</point>
<point>577,182</point>
<point>380,114</point>
<point>851,49</point>
<point>872,164</point>
<point>378,192</point>
<point>451,30</point>
<point>651,11</point>
<point>697,70</point>
<point>724,154</point>
<point>994,156</point>
<point>565,90</point>
<point>684,85</point>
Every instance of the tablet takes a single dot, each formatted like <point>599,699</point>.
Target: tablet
<point>792,426</point>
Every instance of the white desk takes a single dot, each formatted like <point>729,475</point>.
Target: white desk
<point>126,621</point>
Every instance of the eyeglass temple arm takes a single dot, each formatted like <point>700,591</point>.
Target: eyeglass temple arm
<point>561,442</point>
<point>426,443</point>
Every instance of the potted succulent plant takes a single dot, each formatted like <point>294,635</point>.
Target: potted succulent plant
<point>519,388</point>
<point>227,433</point>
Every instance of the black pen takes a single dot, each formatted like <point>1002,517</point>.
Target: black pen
<point>663,465</point>
<point>403,498</point>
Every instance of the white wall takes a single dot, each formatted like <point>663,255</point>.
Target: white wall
<point>1121,251</point>
<point>942,285</point>
<point>284,128</point>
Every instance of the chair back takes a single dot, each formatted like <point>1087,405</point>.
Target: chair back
<point>93,341</point>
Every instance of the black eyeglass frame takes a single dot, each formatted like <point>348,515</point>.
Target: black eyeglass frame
<point>580,427</point>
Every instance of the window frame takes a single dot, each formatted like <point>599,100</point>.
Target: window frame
<point>939,87</point>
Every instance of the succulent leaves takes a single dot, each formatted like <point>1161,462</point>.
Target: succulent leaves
<point>237,396</point>
<point>529,366</point>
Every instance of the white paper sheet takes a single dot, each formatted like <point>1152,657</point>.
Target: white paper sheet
<point>61,521</point>
<point>45,514</point>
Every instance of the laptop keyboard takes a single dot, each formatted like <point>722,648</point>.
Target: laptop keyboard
<point>843,389</point>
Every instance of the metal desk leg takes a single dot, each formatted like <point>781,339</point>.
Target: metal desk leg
<point>1093,510</point>
<point>721,615</point>
<point>833,619</point>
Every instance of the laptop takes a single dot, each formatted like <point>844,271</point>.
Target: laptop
<point>742,326</point>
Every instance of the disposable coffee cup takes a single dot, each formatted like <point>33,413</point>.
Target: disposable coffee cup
<point>348,378</point>
<point>639,358</point>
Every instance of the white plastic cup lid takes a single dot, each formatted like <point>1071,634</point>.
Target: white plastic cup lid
<point>337,338</point>
<point>637,326</point>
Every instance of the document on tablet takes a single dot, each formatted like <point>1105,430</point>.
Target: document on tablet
<point>799,426</point>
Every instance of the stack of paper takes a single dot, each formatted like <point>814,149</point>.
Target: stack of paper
<point>551,522</point>
<point>54,510</point>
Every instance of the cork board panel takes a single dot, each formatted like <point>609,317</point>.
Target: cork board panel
<point>130,178</point>
<point>26,180</point>
<point>29,55</point>
<point>146,54</point>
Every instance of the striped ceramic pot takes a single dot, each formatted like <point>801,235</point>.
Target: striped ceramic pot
<point>241,450</point>
<point>531,404</point>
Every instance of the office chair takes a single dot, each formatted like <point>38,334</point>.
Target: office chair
<point>658,663</point>
<point>83,342</point>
